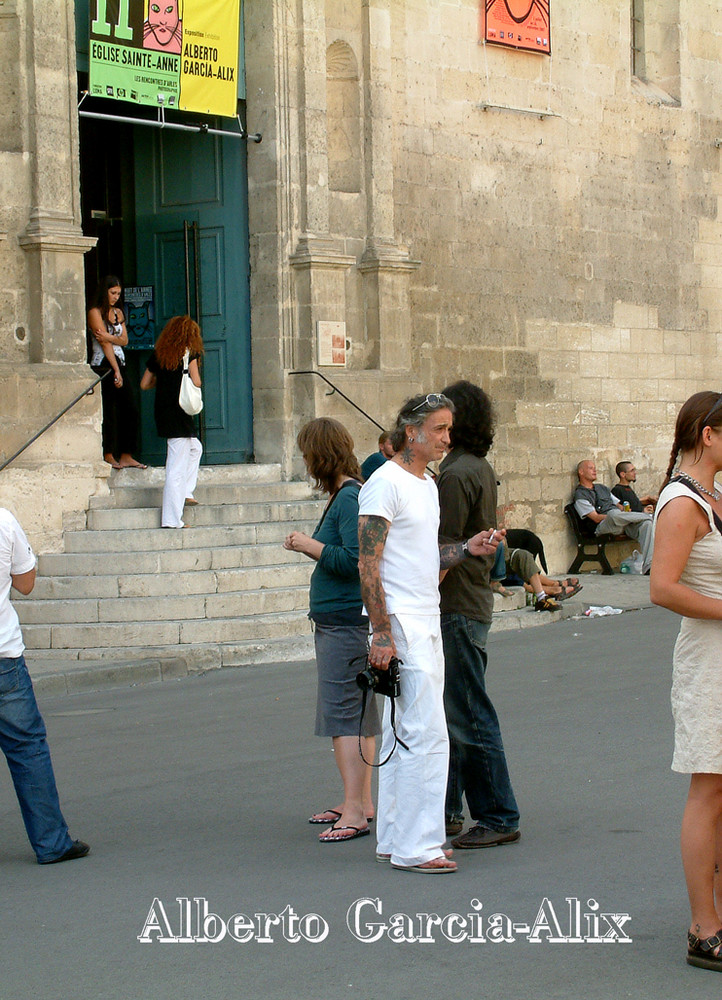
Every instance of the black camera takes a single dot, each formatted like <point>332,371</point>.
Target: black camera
<point>384,682</point>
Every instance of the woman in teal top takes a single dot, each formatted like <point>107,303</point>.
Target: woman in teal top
<point>340,626</point>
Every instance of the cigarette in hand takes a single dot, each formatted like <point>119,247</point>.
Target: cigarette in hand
<point>490,539</point>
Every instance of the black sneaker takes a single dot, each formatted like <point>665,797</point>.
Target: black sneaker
<point>78,849</point>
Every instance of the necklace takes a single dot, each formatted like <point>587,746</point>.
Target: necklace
<point>714,494</point>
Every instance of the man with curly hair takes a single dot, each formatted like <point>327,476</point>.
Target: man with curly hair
<point>468,501</point>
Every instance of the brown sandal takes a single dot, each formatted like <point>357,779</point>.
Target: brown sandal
<point>705,953</point>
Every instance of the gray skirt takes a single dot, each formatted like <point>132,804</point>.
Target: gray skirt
<point>338,706</point>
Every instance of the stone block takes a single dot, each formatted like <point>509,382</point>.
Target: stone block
<point>629,314</point>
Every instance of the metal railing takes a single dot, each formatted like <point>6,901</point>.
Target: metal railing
<point>334,389</point>
<point>34,438</point>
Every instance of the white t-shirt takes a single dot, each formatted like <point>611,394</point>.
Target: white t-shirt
<point>16,557</point>
<point>410,561</point>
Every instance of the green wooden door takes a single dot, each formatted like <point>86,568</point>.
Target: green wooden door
<point>199,179</point>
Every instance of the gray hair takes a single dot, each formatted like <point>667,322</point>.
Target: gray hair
<point>414,413</point>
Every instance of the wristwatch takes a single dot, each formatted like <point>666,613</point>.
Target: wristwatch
<point>465,547</point>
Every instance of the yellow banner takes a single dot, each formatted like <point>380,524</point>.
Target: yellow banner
<point>209,58</point>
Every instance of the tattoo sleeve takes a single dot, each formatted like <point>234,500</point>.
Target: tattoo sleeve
<point>450,555</point>
<point>372,534</point>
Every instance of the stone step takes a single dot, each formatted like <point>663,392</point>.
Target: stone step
<point>145,637</point>
<point>59,672</point>
<point>135,496</point>
<point>261,566</point>
<point>223,514</point>
<point>147,602</point>
<point>166,607</point>
<point>113,586</point>
<point>207,474</point>
<point>119,540</point>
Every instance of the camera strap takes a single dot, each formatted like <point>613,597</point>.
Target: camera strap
<point>397,738</point>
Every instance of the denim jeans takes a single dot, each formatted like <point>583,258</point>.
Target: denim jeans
<point>477,765</point>
<point>23,741</point>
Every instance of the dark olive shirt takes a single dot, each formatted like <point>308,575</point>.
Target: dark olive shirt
<point>467,497</point>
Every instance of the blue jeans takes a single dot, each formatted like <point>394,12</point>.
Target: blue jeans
<point>23,741</point>
<point>477,765</point>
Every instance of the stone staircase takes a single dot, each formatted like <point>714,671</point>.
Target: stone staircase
<point>222,592</point>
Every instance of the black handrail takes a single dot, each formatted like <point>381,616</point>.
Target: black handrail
<point>34,438</point>
<point>336,389</point>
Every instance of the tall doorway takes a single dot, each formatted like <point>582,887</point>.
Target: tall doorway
<point>170,210</point>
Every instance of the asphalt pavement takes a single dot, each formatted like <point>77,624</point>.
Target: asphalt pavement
<point>198,789</point>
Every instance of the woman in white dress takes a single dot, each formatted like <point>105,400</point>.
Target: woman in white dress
<point>686,577</point>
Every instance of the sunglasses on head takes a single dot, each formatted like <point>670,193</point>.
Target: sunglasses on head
<point>434,401</point>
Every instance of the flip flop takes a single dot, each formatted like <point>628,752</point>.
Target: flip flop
<point>423,869</point>
<point>322,817</point>
<point>362,831</point>
<point>384,859</point>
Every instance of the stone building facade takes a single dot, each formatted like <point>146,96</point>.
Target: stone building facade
<point>547,226</point>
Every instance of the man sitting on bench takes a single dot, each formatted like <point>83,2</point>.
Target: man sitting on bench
<point>594,501</point>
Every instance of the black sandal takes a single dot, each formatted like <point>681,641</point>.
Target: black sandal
<point>700,951</point>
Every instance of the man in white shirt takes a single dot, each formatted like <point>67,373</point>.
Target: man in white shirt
<point>399,563</point>
<point>22,730</point>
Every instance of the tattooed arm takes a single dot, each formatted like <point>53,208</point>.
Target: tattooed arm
<point>372,534</point>
<point>484,543</point>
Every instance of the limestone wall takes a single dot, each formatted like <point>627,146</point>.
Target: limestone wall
<point>545,226</point>
<point>569,263</point>
<point>42,310</point>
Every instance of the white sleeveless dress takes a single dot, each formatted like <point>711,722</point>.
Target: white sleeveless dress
<point>697,662</point>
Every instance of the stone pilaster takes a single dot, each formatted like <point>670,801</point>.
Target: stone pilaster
<point>52,237</point>
<point>386,266</point>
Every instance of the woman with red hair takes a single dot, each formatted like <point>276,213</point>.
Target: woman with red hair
<point>164,373</point>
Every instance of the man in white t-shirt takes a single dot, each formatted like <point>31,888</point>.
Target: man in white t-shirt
<point>399,563</point>
<point>22,730</point>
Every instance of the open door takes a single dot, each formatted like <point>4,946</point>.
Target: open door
<point>192,246</point>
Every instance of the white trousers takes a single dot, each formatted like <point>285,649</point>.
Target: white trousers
<point>412,786</point>
<point>181,475</point>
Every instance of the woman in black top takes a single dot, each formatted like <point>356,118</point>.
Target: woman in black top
<point>164,373</point>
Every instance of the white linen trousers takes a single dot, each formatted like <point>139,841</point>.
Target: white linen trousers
<point>181,475</point>
<point>411,825</point>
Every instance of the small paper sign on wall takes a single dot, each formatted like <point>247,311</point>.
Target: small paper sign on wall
<point>517,24</point>
<point>331,338</point>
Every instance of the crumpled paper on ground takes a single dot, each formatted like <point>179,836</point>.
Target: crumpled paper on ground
<point>595,611</point>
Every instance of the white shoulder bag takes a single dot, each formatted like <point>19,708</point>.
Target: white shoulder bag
<point>190,398</point>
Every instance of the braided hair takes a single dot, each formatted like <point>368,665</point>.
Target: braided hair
<point>704,409</point>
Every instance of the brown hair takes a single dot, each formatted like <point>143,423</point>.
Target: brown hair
<point>327,449</point>
<point>704,409</point>
<point>180,333</point>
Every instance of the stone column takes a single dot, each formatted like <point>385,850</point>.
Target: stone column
<point>52,237</point>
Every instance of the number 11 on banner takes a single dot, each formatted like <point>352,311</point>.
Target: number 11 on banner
<point>101,26</point>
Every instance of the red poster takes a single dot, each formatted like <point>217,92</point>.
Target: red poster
<point>518,24</point>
